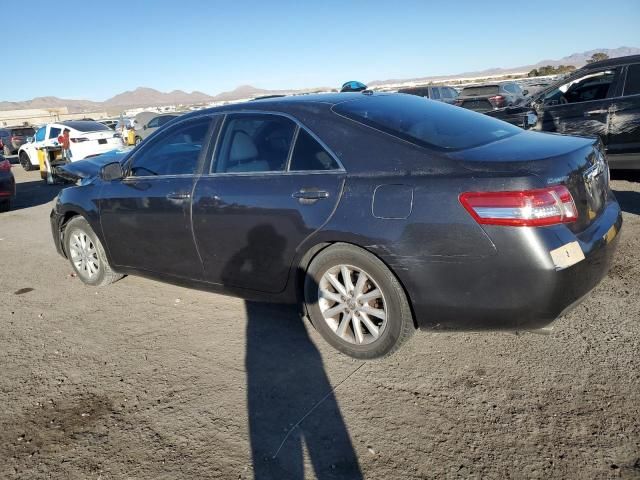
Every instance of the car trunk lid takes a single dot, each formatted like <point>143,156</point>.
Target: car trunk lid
<point>538,160</point>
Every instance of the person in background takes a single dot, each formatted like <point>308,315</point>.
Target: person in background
<point>65,141</point>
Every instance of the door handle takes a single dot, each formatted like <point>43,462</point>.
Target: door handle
<point>595,112</point>
<point>310,194</point>
<point>178,196</point>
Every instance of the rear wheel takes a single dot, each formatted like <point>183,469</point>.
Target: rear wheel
<point>86,254</point>
<point>25,162</point>
<point>5,205</point>
<point>356,303</point>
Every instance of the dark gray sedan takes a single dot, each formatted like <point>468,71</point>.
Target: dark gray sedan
<point>377,213</point>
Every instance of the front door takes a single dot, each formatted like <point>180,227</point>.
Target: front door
<point>146,217</point>
<point>624,141</point>
<point>581,106</point>
<point>272,185</point>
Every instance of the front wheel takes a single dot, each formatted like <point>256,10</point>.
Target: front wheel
<point>25,162</point>
<point>356,303</point>
<point>86,254</point>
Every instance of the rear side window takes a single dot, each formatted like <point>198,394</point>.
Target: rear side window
<point>254,143</point>
<point>429,124</point>
<point>632,85</point>
<point>481,90</point>
<point>54,132</point>
<point>174,153</point>
<point>22,132</point>
<point>308,154</point>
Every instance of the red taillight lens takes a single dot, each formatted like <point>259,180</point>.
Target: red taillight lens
<point>79,139</point>
<point>540,207</point>
<point>5,166</point>
<point>497,100</point>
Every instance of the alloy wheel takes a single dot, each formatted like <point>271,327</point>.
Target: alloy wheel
<point>352,304</point>
<point>84,255</point>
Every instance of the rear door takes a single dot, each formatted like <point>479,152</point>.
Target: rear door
<point>146,217</point>
<point>270,186</point>
<point>624,125</point>
<point>581,106</point>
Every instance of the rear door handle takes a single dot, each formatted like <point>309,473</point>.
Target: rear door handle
<point>310,194</point>
<point>178,196</point>
<point>595,112</point>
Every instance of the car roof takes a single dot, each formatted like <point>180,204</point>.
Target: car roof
<point>611,62</point>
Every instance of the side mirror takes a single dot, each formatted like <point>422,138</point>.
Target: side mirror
<point>525,92</point>
<point>30,139</point>
<point>145,127</point>
<point>111,171</point>
<point>530,120</point>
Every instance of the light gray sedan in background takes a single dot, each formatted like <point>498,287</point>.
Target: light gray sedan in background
<point>145,129</point>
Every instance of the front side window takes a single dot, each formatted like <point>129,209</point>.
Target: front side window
<point>435,93</point>
<point>40,134</point>
<point>254,143</point>
<point>428,124</point>
<point>593,86</point>
<point>632,85</point>
<point>153,123</point>
<point>308,154</point>
<point>176,152</point>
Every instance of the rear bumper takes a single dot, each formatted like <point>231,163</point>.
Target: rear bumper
<point>7,186</point>
<point>519,287</point>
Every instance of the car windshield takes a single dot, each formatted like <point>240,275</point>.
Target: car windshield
<point>481,90</point>
<point>86,126</point>
<point>426,123</point>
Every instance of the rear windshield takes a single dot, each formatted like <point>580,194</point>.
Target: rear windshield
<point>426,123</point>
<point>86,126</point>
<point>481,90</point>
<point>23,132</point>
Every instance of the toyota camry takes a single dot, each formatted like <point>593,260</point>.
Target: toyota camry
<point>377,213</point>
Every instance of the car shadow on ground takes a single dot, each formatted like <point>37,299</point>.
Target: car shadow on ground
<point>291,403</point>
<point>629,201</point>
<point>32,194</point>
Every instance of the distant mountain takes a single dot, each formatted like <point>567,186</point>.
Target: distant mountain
<point>142,96</point>
<point>575,59</point>
<point>147,97</point>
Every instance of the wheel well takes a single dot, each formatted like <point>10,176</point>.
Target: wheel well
<point>67,217</point>
<point>308,257</point>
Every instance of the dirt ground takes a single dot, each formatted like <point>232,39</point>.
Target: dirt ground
<point>146,380</point>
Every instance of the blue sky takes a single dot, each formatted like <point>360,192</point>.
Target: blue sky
<point>94,50</point>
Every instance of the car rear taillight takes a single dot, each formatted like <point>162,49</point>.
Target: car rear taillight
<point>497,100</point>
<point>5,165</point>
<point>79,139</point>
<point>540,207</point>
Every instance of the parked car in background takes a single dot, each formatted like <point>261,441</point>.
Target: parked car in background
<point>379,212</point>
<point>532,88</point>
<point>109,123</point>
<point>7,185</point>
<point>601,99</point>
<point>146,129</point>
<point>88,139</point>
<point>11,138</point>
<point>439,93</point>
<point>484,98</point>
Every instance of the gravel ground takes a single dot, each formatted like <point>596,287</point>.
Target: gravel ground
<point>147,380</point>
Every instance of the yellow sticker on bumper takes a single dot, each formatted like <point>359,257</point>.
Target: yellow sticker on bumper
<point>567,255</point>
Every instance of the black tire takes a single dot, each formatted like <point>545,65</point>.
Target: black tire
<point>7,151</point>
<point>105,275</point>
<point>25,162</point>
<point>138,141</point>
<point>399,326</point>
<point>5,205</point>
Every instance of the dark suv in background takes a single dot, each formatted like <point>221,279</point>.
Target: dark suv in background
<point>12,137</point>
<point>601,99</point>
<point>484,98</point>
<point>439,93</point>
